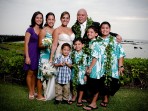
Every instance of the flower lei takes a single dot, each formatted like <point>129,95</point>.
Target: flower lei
<point>76,27</point>
<point>76,70</point>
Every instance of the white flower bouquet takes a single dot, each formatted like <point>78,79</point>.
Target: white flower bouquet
<point>47,42</point>
<point>48,70</point>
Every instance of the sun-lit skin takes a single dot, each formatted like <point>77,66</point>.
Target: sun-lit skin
<point>82,16</point>
<point>78,46</point>
<point>105,30</point>
<point>65,20</point>
<point>38,19</point>
<point>65,51</point>
<point>91,34</point>
<point>50,21</point>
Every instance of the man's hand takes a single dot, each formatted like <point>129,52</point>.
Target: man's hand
<point>119,39</point>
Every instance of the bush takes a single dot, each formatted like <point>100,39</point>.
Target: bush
<point>136,72</point>
<point>11,62</point>
<point>11,65</point>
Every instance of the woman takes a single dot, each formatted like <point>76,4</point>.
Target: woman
<point>46,32</point>
<point>62,34</point>
<point>31,51</point>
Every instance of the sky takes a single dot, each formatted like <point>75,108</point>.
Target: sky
<point>128,18</point>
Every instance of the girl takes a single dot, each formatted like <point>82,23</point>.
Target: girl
<point>31,51</point>
<point>46,32</point>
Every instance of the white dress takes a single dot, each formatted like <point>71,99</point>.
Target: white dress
<point>64,38</point>
<point>49,91</point>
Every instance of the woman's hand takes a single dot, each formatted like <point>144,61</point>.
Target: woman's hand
<point>27,60</point>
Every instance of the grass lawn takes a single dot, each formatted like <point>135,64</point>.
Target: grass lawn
<point>15,98</point>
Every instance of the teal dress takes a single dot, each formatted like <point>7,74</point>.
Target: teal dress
<point>44,57</point>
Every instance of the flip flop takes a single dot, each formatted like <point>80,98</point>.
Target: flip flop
<point>103,104</point>
<point>70,102</point>
<point>89,108</point>
<point>79,104</point>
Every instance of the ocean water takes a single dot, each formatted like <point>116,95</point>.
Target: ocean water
<point>136,48</point>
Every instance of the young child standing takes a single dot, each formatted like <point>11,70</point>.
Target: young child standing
<point>63,64</point>
<point>112,55</point>
<point>93,69</point>
<point>79,78</point>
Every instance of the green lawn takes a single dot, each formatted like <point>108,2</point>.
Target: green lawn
<point>15,98</point>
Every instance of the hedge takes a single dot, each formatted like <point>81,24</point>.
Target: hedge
<point>11,66</point>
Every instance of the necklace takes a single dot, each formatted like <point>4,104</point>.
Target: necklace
<point>76,27</point>
<point>76,69</point>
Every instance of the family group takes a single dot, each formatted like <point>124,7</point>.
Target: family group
<point>88,59</point>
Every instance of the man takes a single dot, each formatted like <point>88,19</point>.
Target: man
<point>80,30</point>
<point>83,22</point>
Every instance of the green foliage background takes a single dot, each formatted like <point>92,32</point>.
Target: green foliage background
<point>11,67</point>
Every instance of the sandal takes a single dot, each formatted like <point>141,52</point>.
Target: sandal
<point>31,97</point>
<point>41,99</point>
<point>70,102</point>
<point>84,100</point>
<point>79,104</point>
<point>103,104</point>
<point>89,108</point>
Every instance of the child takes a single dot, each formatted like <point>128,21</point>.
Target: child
<point>79,69</point>
<point>112,55</point>
<point>63,64</point>
<point>93,70</point>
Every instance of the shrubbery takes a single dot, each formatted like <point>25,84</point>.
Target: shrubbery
<point>11,64</point>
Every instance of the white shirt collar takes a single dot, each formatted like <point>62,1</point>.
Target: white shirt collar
<point>84,24</point>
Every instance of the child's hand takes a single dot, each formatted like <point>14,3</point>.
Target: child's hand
<point>66,63</point>
<point>61,64</point>
<point>85,78</point>
<point>121,69</point>
<point>88,70</point>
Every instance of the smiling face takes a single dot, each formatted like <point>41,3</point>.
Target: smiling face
<point>65,51</point>
<point>50,20</point>
<point>65,18</point>
<point>78,45</point>
<point>39,19</point>
<point>91,33</point>
<point>105,30</point>
<point>82,16</point>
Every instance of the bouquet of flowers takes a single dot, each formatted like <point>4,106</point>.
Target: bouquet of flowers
<point>48,70</point>
<point>47,42</point>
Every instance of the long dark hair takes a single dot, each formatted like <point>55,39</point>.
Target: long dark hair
<point>48,14</point>
<point>33,19</point>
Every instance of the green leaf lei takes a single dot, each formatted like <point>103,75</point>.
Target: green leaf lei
<point>76,70</point>
<point>76,27</point>
<point>108,62</point>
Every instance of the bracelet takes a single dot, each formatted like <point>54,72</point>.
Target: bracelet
<point>121,66</point>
